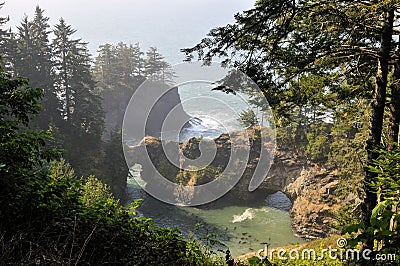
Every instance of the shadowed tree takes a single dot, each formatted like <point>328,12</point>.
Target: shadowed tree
<point>279,40</point>
<point>28,54</point>
<point>118,70</point>
<point>155,68</point>
<point>81,105</point>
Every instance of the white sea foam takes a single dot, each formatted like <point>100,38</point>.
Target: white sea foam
<point>263,209</point>
<point>247,214</point>
<point>196,124</point>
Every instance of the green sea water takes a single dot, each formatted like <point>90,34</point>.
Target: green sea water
<point>241,228</point>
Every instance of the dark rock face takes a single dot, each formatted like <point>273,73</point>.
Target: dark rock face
<point>309,186</point>
<point>168,104</point>
<point>141,121</point>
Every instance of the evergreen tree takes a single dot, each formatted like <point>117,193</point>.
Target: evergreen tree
<point>8,50</point>
<point>81,106</point>
<point>129,64</point>
<point>119,66</point>
<point>118,69</point>
<point>281,40</point>
<point>64,59</point>
<point>394,107</point>
<point>24,62</point>
<point>28,53</point>
<point>156,69</point>
<point>42,75</point>
<point>4,34</point>
<point>104,68</point>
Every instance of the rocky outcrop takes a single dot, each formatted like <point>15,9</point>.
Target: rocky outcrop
<point>314,202</point>
<point>116,106</point>
<point>168,104</point>
<point>191,151</point>
<point>309,186</point>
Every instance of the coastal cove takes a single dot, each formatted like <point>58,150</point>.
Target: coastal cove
<point>242,228</point>
<point>290,205</point>
<point>242,224</point>
<point>275,142</point>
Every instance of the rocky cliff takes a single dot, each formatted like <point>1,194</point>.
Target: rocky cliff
<point>169,104</point>
<point>309,186</point>
<point>116,105</point>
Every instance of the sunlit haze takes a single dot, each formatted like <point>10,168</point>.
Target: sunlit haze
<point>168,25</point>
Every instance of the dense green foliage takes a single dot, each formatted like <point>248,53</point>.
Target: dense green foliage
<point>248,118</point>
<point>48,216</point>
<point>329,69</point>
<point>84,100</point>
<point>385,216</point>
<point>320,64</point>
<point>119,70</point>
<point>71,107</point>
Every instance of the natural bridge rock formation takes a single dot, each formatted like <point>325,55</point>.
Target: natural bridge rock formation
<point>242,140</point>
<point>309,186</point>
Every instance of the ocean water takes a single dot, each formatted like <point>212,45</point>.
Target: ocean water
<point>241,228</point>
<point>213,112</point>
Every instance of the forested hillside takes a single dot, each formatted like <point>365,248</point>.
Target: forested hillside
<point>330,71</point>
<point>53,211</point>
<point>84,98</point>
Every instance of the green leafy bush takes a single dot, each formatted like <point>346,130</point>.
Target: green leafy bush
<point>49,216</point>
<point>385,218</point>
<point>248,118</point>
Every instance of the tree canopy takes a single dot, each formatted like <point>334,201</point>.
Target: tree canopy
<point>353,45</point>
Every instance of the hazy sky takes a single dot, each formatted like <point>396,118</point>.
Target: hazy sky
<point>167,24</point>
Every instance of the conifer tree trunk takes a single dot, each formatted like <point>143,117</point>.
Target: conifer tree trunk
<point>67,90</point>
<point>376,122</point>
<point>394,108</point>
